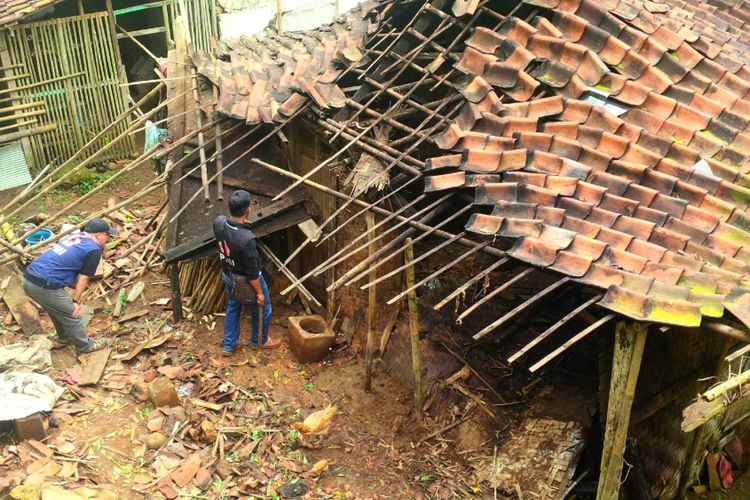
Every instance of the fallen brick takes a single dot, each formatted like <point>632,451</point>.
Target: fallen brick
<point>161,392</point>
<point>31,427</point>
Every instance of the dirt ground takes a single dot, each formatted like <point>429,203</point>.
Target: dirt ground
<point>97,433</point>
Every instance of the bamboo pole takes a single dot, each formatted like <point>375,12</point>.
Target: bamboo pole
<point>416,354</point>
<point>495,291</point>
<point>391,245</point>
<point>27,114</point>
<point>20,124</point>
<point>417,225</point>
<point>350,199</point>
<point>371,305</point>
<point>552,329</point>
<point>337,258</point>
<point>422,236</point>
<point>568,343</point>
<point>543,293</point>
<point>25,105</point>
<point>157,60</point>
<point>630,339</point>
<point>201,142</point>
<point>84,163</point>
<point>4,139</point>
<point>156,184</point>
<point>39,84</point>
<point>14,77</point>
<point>69,161</point>
<point>462,289</point>
<point>285,270</point>
<point>219,150</point>
<point>474,249</point>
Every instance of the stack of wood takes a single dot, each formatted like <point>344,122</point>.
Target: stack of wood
<point>201,285</point>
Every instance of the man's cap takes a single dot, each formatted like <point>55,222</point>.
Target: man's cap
<point>98,225</point>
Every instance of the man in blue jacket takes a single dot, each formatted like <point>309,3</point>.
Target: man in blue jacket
<point>70,263</point>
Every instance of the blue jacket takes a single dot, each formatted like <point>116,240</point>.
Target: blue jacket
<point>61,265</point>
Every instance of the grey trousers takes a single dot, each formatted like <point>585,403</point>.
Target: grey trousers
<point>59,305</point>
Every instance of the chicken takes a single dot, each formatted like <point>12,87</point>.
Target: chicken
<point>316,424</point>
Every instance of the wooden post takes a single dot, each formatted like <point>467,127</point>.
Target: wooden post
<point>371,305</point>
<point>416,354</point>
<point>120,69</point>
<point>177,131</point>
<point>630,339</point>
<point>174,279</point>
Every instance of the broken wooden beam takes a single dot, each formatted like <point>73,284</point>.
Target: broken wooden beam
<point>521,307</point>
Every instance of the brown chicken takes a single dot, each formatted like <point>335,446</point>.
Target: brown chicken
<point>316,424</point>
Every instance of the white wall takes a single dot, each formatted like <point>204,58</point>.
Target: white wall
<point>251,17</point>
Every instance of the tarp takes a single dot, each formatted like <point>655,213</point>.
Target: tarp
<point>23,394</point>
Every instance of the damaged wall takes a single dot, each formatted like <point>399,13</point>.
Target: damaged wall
<point>251,17</point>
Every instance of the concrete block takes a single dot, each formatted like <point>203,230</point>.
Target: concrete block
<point>310,337</point>
<point>161,392</point>
<point>31,427</point>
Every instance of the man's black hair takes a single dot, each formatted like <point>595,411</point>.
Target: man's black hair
<point>238,203</point>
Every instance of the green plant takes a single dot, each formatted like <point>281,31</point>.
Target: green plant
<point>276,374</point>
<point>60,195</point>
<point>90,181</point>
<point>293,435</point>
<point>123,298</point>
<point>308,386</point>
<point>143,412</point>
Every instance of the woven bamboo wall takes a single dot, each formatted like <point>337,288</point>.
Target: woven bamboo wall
<point>78,52</point>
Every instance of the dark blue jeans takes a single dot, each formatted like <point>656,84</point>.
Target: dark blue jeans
<point>234,309</point>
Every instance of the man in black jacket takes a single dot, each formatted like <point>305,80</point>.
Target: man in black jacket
<point>240,260</point>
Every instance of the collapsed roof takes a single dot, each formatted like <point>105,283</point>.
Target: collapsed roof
<point>607,141</point>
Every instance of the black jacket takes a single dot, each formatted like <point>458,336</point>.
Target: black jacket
<point>238,248</point>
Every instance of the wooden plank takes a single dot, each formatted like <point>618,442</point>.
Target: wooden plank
<point>133,315</point>
<point>19,303</point>
<point>95,364</point>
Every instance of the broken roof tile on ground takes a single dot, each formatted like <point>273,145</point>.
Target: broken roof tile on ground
<point>268,79</point>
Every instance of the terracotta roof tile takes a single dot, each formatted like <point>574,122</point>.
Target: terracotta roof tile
<point>605,199</point>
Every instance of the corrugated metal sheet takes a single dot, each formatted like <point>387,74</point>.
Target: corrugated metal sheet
<point>14,171</point>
